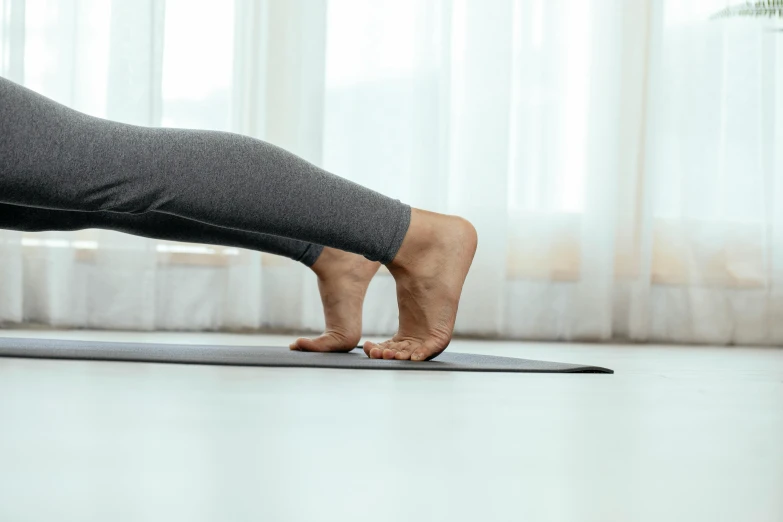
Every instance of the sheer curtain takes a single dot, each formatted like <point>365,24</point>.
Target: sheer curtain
<point>618,158</point>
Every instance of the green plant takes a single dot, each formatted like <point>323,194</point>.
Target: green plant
<point>763,8</point>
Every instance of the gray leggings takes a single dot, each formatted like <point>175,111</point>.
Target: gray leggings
<point>63,170</point>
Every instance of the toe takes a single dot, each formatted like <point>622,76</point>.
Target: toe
<point>305,344</point>
<point>324,343</point>
<point>427,351</point>
<point>403,355</point>
<point>397,350</point>
<point>403,349</point>
<point>373,350</point>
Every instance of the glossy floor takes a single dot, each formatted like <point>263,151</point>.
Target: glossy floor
<point>678,433</point>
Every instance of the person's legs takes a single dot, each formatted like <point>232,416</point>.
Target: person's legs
<point>54,157</point>
<point>155,225</point>
<point>343,277</point>
<point>57,158</point>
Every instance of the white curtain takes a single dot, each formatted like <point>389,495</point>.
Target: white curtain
<point>618,158</point>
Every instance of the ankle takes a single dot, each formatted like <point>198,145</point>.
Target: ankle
<point>420,236</point>
<point>337,264</point>
<point>330,261</point>
<point>431,234</point>
<point>322,264</point>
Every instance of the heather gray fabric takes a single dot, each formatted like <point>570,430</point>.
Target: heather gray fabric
<point>52,157</point>
<point>271,356</point>
<point>155,225</point>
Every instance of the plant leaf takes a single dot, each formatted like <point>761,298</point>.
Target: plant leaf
<point>763,8</point>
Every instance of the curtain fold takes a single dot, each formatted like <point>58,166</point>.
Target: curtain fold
<point>618,158</point>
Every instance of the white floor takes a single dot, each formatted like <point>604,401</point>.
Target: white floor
<point>692,434</point>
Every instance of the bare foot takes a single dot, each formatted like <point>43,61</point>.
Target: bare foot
<point>430,269</point>
<point>343,279</point>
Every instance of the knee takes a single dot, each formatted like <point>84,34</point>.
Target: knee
<point>130,194</point>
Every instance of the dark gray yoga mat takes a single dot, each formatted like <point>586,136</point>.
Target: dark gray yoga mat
<point>270,356</point>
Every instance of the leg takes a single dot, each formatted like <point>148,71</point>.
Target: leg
<point>53,157</point>
<point>155,226</point>
<point>343,277</point>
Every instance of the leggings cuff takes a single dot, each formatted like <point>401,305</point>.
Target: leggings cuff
<point>310,254</point>
<point>403,223</point>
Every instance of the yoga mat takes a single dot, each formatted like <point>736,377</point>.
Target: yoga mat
<point>270,356</point>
